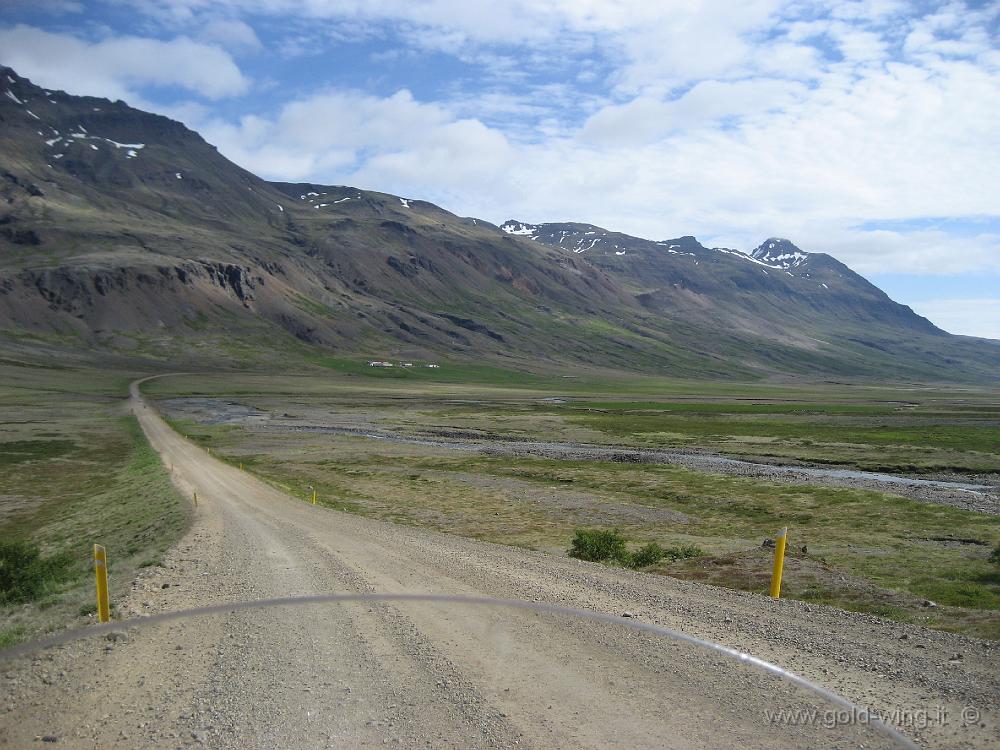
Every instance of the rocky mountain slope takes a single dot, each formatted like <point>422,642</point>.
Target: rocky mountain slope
<point>126,234</point>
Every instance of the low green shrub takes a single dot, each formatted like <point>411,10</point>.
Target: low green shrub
<point>608,545</point>
<point>647,555</point>
<point>653,553</point>
<point>599,545</point>
<point>25,575</point>
<point>12,636</point>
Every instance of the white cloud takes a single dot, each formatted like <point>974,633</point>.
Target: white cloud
<point>731,121</point>
<point>394,143</point>
<point>646,119</point>
<point>115,67</point>
<point>969,317</point>
<point>231,33</point>
<point>926,252</point>
<point>675,39</point>
<point>868,10</point>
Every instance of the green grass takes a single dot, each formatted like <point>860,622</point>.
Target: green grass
<point>912,429</point>
<point>911,438</point>
<point>705,424</point>
<point>12,635</point>
<point>21,451</point>
<point>729,407</point>
<point>79,473</point>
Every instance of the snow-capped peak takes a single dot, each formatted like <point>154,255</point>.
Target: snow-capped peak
<point>512,226</point>
<point>779,253</point>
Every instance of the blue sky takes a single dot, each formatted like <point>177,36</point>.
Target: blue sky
<point>867,129</point>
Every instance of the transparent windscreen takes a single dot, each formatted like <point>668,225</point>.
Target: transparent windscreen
<point>404,672</point>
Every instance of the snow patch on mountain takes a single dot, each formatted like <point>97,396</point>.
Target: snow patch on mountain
<point>116,144</point>
<point>744,256</point>
<point>518,228</point>
<point>779,253</point>
<point>774,253</point>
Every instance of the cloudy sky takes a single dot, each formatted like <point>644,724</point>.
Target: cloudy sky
<point>869,129</point>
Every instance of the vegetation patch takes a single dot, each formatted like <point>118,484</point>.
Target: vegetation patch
<point>599,545</point>
<point>25,575</point>
<point>903,440</point>
<point>23,451</point>
<point>610,546</point>
<point>99,482</point>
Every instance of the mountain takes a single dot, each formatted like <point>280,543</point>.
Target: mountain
<point>777,283</point>
<point>124,234</point>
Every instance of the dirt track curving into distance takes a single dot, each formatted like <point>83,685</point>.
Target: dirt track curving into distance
<point>432,674</point>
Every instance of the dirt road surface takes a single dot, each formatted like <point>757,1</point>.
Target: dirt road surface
<point>431,674</point>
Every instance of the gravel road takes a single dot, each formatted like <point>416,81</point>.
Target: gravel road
<point>431,674</point>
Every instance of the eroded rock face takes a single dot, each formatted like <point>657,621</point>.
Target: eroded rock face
<point>471,325</point>
<point>126,297</point>
<point>61,289</point>
<point>20,235</point>
<point>235,278</point>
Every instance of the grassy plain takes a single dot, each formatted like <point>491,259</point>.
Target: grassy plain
<point>76,470</point>
<point>852,548</point>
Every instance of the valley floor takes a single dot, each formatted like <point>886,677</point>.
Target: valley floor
<point>431,674</point>
<point>530,466</point>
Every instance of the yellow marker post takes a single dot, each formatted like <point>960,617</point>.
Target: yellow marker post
<point>314,497</point>
<point>101,573</point>
<point>779,562</point>
<point>241,467</point>
<point>196,499</point>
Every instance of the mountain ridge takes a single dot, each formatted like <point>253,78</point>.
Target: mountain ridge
<point>125,232</point>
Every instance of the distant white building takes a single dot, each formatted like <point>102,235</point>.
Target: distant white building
<point>407,364</point>
<point>379,363</point>
<point>434,366</point>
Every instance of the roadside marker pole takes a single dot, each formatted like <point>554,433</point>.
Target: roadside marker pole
<point>196,499</point>
<point>101,573</point>
<point>779,562</point>
<point>314,497</point>
<point>241,467</point>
